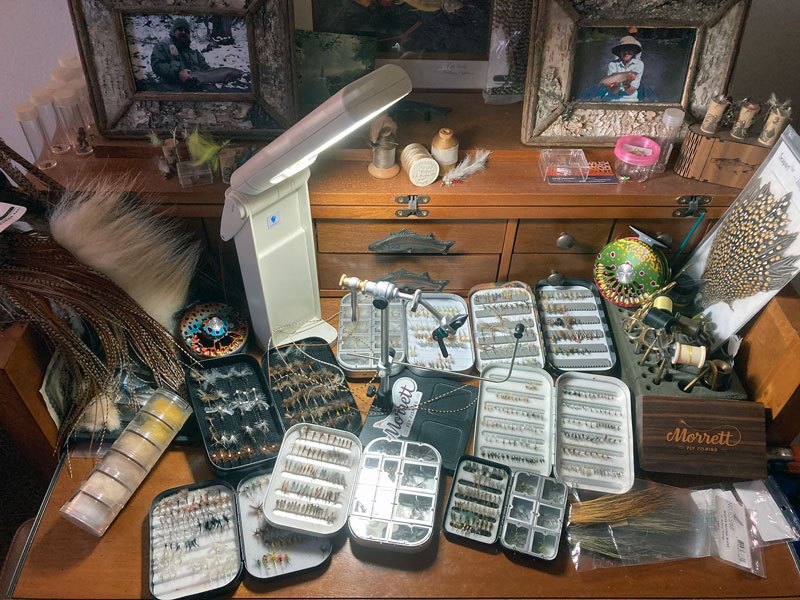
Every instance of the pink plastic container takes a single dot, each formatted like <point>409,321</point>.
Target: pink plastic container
<point>636,157</point>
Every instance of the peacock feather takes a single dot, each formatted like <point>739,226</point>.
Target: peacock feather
<point>747,254</point>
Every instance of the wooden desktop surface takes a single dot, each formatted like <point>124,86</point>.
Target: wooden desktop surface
<point>64,562</point>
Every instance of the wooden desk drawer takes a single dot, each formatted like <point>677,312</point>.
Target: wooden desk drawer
<point>531,268</point>
<point>462,271</point>
<point>589,236</point>
<point>484,237</point>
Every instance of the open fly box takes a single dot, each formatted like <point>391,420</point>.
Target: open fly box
<point>358,346</point>
<point>496,311</point>
<point>579,428</point>
<point>575,328</point>
<point>240,426</point>
<point>270,552</point>
<point>488,502</point>
<point>423,351</point>
<point>387,490</point>
<point>307,386</point>
<point>195,543</point>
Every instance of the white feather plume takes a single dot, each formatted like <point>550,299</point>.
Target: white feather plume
<point>146,254</point>
<point>473,163</point>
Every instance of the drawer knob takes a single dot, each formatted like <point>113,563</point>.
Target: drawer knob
<point>565,241</point>
<point>555,279</point>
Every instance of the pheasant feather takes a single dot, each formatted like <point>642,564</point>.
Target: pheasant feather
<point>747,255</point>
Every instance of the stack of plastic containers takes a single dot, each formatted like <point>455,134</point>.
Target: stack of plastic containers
<point>112,482</point>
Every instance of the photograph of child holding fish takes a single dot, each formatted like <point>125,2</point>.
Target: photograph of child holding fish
<point>633,64</point>
<point>173,53</point>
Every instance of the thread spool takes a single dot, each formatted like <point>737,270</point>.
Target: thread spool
<point>444,149</point>
<point>663,303</point>
<point>689,327</point>
<point>383,165</point>
<point>747,114</point>
<point>658,318</point>
<point>421,167</point>
<point>716,108</point>
<point>684,354</point>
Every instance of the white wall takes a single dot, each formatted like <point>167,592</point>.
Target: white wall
<point>33,33</point>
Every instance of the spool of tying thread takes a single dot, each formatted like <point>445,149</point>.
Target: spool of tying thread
<point>659,319</point>
<point>383,165</point>
<point>421,167</point>
<point>684,354</point>
<point>690,327</point>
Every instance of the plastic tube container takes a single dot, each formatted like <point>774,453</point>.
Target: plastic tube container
<point>28,119</point>
<point>68,59</point>
<point>67,107</point>
<point>84,104</point>
<point>42,99</point>
<point>667,135</point>
<point>112,482</point>
<point>636,157</point>
<point>67,73</point>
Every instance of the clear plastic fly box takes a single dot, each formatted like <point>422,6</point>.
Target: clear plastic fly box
<point>358,346</point>
<point>424,353</point>
<point>496,311</point>
<point>578,428</point>
<point>489,502</point>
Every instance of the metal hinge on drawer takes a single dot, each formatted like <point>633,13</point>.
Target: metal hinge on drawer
<point>413,202</point>
<point>690,205</point>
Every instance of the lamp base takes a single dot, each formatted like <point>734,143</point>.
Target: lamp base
<point>314,328</point>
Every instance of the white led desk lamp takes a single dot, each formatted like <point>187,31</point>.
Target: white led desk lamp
<point>267,210</point>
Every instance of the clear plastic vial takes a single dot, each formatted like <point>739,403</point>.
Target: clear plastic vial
<point>84,104</point>
<point>28,119</point>
<point>42,99</point>
<point>71,121</point>
<point>667,135</point>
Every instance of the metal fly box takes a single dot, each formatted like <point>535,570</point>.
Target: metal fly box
<point>240,425</point>
<point>395,499</point>
<point>424,351</point>
<point>579,428</point>
<point>195,547</point>
<point>488,502</point>
<point>307,386</point>
<point>270,552</point>
<point>575,328</point>
<point>313,480</point>
<point>358,346</point>
<point>495,312</point>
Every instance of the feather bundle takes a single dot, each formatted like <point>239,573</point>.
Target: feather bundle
<point>749,251</point>
<point>382,126</point>
<point>106,229</point>
<point>473,163</point>
<point>40,281</point>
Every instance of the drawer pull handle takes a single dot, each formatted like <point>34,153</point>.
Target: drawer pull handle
<point>565,241</point>
<point>410,242</point>
<point>408,281</point>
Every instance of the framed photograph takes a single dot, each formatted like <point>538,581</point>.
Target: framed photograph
<point>603,68</point>
<point>442,44</point>
<point>223,66</point>
<point>326,62</point>
<point>754,249</point>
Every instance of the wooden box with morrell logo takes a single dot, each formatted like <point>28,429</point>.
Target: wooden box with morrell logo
<point>701,436</point>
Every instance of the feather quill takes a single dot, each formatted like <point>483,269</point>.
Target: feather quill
<point>381,127</point>
<point>473,163</point>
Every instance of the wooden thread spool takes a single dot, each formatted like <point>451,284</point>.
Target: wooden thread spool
<point>383,165</point>
<point>421,167</point>
<point>444,149</point>
<point>684,354</point>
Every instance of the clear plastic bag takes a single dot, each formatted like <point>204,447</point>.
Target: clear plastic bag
<point>508,52</point>
<point>770,510</point>
<point>734,535</point>
<point>651,523</point>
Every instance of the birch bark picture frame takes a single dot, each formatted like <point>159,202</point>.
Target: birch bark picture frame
<point>555,113</point>
<point>124,108</point>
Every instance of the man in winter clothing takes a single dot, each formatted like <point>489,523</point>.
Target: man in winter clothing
<point>174,60</point>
